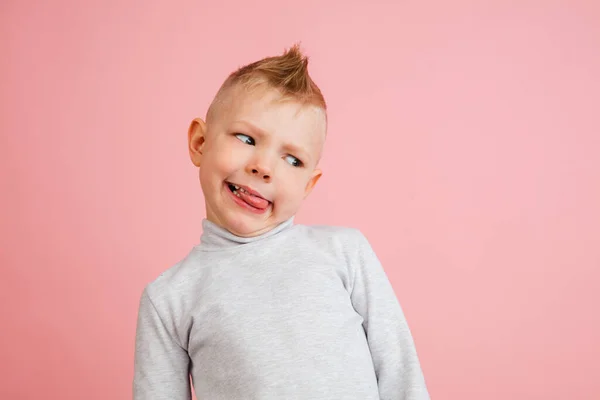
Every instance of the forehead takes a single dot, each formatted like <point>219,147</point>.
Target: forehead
<point>266,110</point>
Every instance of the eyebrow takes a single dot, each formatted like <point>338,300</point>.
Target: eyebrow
<point>297,151</point>
<point>255,130</point>
<point>289,147</point>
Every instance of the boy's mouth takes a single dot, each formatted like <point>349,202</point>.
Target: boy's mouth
<point>248,197</point>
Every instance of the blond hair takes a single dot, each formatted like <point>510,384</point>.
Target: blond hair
<point>287,73</point>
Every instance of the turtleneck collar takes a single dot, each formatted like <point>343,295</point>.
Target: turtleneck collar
<point>215,237</point>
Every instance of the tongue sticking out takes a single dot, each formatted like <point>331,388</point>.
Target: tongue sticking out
<point>254,201</point>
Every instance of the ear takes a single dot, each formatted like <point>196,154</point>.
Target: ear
<point>196,140</point>
<point>314,178</point>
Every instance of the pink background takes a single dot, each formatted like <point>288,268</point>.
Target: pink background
<point>464,141</point>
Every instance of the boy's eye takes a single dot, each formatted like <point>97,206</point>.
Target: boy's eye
<point>246,139</point>
<point>293,161</point>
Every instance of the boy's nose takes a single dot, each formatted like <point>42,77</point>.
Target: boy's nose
<point>260,172</point>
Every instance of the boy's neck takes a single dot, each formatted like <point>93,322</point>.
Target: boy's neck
<point>216,237</point>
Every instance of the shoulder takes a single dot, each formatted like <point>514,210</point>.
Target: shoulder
<point>176,280</point>
<point>335,237</point>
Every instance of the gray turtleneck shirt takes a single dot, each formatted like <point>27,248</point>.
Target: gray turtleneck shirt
<point>300,312</point>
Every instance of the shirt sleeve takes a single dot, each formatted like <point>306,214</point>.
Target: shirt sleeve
<point>397,367</point>
<point>161,366</point>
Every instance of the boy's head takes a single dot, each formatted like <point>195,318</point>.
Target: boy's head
<point>259,148</point>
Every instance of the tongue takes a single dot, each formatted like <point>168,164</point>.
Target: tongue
<point>254,201</point>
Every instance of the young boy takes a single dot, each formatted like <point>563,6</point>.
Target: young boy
<point>263,308</point>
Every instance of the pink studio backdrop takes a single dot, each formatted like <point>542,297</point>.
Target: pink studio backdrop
<point>464,141</point>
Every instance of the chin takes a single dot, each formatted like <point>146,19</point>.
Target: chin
<point>242,225</point>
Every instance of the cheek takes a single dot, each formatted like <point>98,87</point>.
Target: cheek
<point>223,161</point>
<point>231,157</point>
<point>222,165</point>
<point>212,172</point>
<point>206,176</point>
<point>294,188</point>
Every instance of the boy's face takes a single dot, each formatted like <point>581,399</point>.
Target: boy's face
<point>257,159</point>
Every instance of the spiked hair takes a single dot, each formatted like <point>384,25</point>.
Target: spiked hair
<point>287,73</point>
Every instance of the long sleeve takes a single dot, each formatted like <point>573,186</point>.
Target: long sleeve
<point>397,366</point>
<point>161,366</point>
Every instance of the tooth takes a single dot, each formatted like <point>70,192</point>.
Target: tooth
<point>236,187</point>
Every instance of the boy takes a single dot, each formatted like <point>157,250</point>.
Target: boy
<point>263,308</point>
